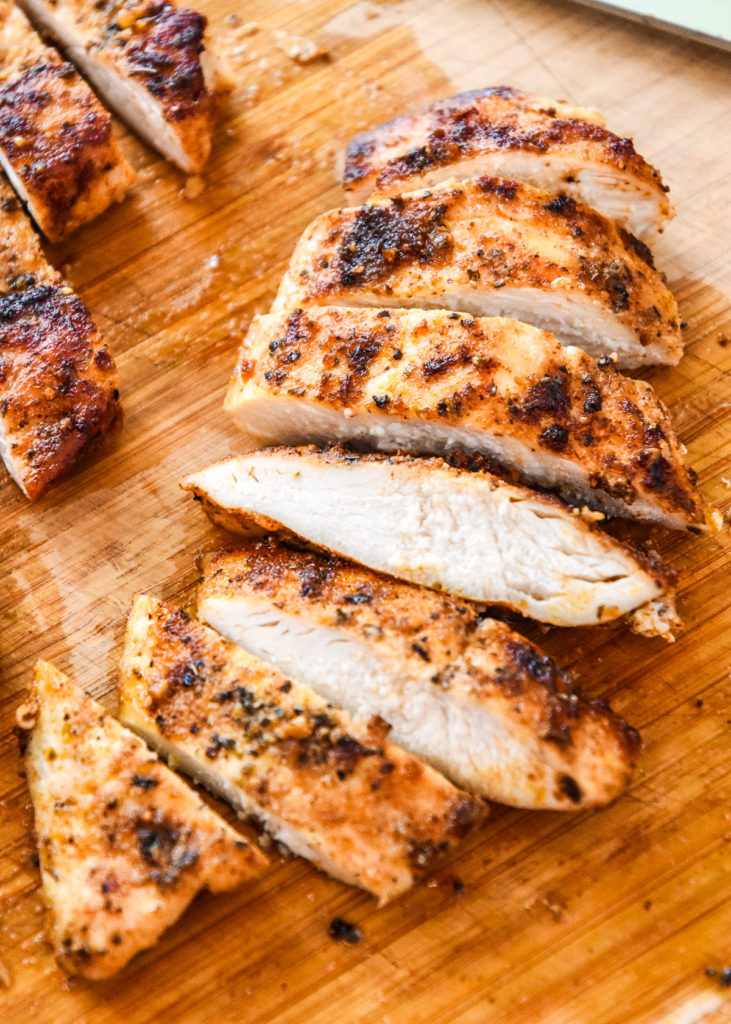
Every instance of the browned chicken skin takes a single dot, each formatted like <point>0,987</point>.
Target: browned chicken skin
<point>56,141</point>
<point>58,382</point>
<point>491,246</point>
<point>505,132</point>
<point>431,382</point>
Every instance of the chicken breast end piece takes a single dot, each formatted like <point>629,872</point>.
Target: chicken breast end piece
<point>124,844</point>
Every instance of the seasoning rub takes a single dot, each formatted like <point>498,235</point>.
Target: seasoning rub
<point>461,690</point>
<point>504,132</point>
<point>56,142</point>
<point>58,382</point>
<point>490,246</point>
<point>152,63</point>
<point>431,382</point>
<point>335,791</point>
<point>124,844</point>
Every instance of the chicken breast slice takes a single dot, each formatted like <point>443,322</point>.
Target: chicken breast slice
<point>58,383</point>
<point>468,533</point>
<point>124,844</point>
<point>507,133</point>
<point>56,142</point>
<point>335,791</point>
<point>490,246</point>
<point>432,382</point>
<point>460,690</point>
<point>150,61</point>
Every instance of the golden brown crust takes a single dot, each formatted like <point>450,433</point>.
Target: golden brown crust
<point>163,54</point>
<point>54,133</point>
<point>124,845</point>
<point>491,375</point>
<point>477,658</point>
<point>372,812</point>
<point>478,237</point>
<point>58,381</point>
<point>156,45</point>
<point>22,263</point>
<point>58,384</point>
<point>393,156</point>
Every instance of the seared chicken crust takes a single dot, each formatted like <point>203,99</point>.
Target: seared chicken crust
<point>504,132</point>
<point>431,382</point>
<point>334,790</point>
<point>150,61</point>
<point>462,691</point>
<point>496,247</point>
<point>58,382</point>
<point>124,844</point>
<point>469,533</point>
<point>56,142</point>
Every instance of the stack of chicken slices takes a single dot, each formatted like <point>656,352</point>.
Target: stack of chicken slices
<point>448,356</point>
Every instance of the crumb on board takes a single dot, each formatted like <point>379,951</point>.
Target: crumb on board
<point>299,49</point>
<point>193,187</point>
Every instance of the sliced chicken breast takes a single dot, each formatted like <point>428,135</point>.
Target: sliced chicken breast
<point>469,533</point>
<point>334,790</point>
<point>432,382</point>
<point>460,690</point>
<point>56,142</point>
<point>508,133</point>
<point>124,844</point>
<point>496,247</point>
<point>58,382</point>
<point>150,61</point>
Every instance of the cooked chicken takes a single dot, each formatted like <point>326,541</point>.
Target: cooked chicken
<point>335,791</point>
<point>56,142</point>
<point>491,246</point>
<point>124,844</point>
<point>150,61</point>
<point>431,382</point>
<point>469,533</point>
<point>460,690</point>
<point>58,382</point>
<point>511,134</point>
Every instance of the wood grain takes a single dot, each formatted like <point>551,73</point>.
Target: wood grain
<point>601,918</point>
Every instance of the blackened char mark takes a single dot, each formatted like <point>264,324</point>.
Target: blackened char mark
<point>385,237</point>
<point>166,59</point>
<point>547,397</point>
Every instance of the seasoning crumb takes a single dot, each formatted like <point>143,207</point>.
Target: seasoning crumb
<point>699,703</point>
<point>725,979</point>
<point>193,187</point>
<point>339,929</point>
<point>458,886</point>
<point>647,904</point>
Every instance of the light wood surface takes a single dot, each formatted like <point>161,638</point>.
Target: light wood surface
<point>601,918</point>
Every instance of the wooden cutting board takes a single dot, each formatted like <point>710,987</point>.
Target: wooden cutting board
<point>543,918</point>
